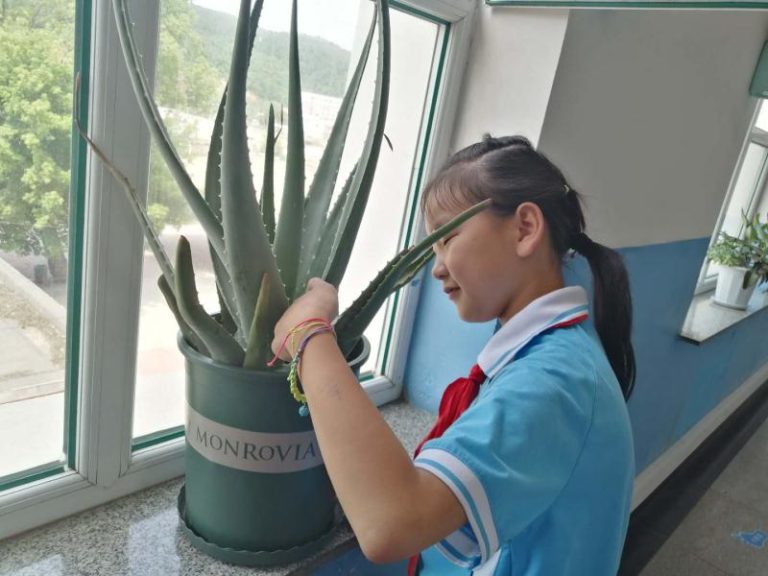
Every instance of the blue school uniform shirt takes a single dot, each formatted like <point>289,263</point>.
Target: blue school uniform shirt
<point>542,462</point>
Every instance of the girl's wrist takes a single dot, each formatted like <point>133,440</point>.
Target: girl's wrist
<point>301,335</point>
<point>307,331</point>
<point>292,342</point>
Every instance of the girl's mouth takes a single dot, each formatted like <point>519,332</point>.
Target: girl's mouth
<point>451,292</point>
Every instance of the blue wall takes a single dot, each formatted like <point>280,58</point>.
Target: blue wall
<point>678,382</point>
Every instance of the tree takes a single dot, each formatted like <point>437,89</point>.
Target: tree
<point>36,64</point>
<point>187,84</point>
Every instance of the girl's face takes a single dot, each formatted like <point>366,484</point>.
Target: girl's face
<point>478,263</point>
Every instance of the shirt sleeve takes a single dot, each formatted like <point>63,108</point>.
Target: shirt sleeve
<point>508,457</point>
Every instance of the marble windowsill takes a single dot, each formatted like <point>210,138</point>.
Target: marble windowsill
<point>706,319</point>
<point>140,535</point>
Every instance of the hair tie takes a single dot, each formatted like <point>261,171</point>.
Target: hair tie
<point>567,188</point>
<point>582,243</point>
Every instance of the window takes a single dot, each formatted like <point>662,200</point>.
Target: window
<point>330,56</point>
<point>119,419</point>
<point>747,194</point>
<point>40,191</point>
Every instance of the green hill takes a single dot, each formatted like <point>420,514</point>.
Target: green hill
<point>323,64</point>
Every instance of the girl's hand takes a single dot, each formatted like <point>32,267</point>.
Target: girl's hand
<point>321,300</point>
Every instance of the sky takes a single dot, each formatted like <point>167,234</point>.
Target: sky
<point>333,20</point>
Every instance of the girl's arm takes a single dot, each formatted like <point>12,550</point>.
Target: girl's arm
<point>394,508</point>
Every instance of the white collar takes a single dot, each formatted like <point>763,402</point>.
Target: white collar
<point>563,306</point>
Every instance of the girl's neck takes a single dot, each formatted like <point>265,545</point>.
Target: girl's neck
<point>542,285</point>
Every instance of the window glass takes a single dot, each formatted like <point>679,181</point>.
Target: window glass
<point>751,175</point>
<point>762,206</point>
<point>201,35</point>
<point>745,188</point>
<point>36,63</point>
<point>762,118</point>
<point>748,195</point>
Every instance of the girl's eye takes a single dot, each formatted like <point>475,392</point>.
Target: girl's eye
<point>448,239</point>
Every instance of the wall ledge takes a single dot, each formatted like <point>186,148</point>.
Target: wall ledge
<point>706,319</point>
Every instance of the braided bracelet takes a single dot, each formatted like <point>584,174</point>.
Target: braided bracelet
<point>295,366</point>
<point>320,326</point>
<point>310,323</point>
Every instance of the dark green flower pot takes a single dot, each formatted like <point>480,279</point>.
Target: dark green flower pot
<point>256,490</point>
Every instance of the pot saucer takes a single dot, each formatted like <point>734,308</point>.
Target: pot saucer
<point>262,558</point>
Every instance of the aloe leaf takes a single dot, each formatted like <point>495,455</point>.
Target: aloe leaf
<point>268,187</point>
<point>225,317</point>
<point>226,292</point>
<point>355,319</point>
<point>321,191</point>
<point>289,229</point>
<point>330,231</point>
<point>414,269</point>
<point>213,164</point>
<point>261,333</point>
<point>221,345</point>
<point>186,329</point>
<point>227,300</point>
<point>248,251</point>
<point>136,205</point>
<point>361,187</point>
<point>157,128</point>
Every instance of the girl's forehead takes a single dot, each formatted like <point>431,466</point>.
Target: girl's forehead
<point>437,213</point>
<point>445,201</point>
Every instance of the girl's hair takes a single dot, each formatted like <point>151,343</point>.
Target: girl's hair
<point>510,171</point>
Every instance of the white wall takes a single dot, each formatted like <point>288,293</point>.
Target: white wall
<point>647,115</point>
<point>509,76</point>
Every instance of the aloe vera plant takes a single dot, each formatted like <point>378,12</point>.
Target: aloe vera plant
<point>261,264</point>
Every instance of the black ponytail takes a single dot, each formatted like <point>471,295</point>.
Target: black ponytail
<point>510,171</point>
<point>612,307</point>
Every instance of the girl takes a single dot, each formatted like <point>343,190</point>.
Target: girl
<point>529,468</point>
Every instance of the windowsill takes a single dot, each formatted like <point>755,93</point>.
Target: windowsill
<point>140,534</point>
<point>706,319</point>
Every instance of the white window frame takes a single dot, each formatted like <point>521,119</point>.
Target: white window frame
<point>706,282</point>
<point>106,467</point>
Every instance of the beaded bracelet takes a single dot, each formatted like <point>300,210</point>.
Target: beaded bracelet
<point>320,326</point>
<point>295,366</point>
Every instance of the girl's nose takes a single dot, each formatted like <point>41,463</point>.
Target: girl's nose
<point>439,271</point>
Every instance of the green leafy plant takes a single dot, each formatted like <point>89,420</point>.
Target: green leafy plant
<point>749,250</point>
<point>759,241</point>
<point>262,264</point>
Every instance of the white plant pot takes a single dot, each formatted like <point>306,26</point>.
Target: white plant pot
<point>729,291</point>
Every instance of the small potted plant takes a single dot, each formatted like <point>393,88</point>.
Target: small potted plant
<point>744,263</point>
<point>256,491</point>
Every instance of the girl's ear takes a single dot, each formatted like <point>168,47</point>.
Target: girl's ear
<point>529,228</point>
